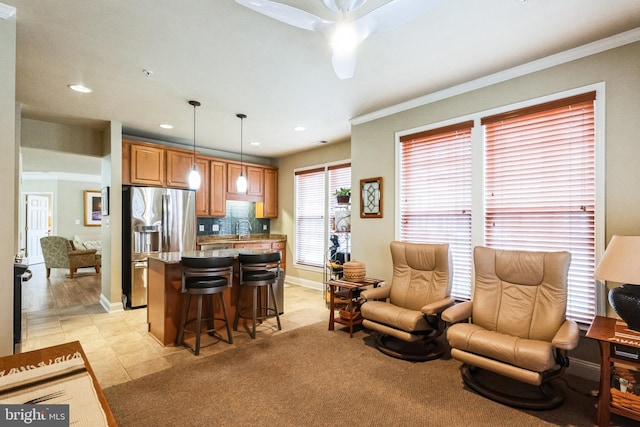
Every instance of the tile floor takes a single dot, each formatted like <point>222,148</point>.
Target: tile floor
<point>119,348</point>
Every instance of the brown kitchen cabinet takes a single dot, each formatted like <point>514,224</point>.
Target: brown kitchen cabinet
<point>268,208</point>
<point>202,193</point>
<point>252,245</point>
<point>282,248</point>
<point>254,176</point>
<point>179,164</point>
<point>217,187</point>
<point>147,165</point>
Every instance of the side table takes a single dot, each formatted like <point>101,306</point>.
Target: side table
<point>350,286</point>
<point>618,344</point>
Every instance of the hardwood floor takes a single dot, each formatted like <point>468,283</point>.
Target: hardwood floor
<point>119,348</point>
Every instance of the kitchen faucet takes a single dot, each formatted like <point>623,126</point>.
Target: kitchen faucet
<point>242,221</point>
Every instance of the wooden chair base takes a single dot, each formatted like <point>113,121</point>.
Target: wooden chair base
<point>524,396</point>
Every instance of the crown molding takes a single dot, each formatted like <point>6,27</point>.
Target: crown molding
<point>6,11</point>
<point>589,49</point>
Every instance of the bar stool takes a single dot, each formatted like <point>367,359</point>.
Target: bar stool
<point>204,276</point>
<point>257,271</point>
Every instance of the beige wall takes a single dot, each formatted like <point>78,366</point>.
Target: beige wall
<point>618,68</point>
<point>59,137</point>
<point>8,179</point>
<point>284,223</point>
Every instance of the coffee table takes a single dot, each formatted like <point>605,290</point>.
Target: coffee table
<point>349,286</point>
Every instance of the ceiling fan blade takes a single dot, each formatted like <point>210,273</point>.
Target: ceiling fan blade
<point>392,15</point>
<point>283,13</point>
<point>344,64</point>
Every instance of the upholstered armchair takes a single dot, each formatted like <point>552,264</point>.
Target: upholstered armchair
<point>406,314</point>
<point>516,327</point>
<point>58,252</point>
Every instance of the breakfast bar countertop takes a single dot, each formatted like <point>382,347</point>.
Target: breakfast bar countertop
<point>235,238</point>
<point>174,257</point>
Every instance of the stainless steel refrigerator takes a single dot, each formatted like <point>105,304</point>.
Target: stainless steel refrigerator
<point>154,220</point>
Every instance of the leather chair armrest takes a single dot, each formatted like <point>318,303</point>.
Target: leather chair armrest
<point>458,312</point>
<point>567,336</point>
<point>376,293</point>
<point>436,307</point>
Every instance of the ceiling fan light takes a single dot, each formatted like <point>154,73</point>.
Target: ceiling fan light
<point>194,179</point>
<point>345,39</point>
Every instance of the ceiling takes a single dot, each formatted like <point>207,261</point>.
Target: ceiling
<point>234,60</point>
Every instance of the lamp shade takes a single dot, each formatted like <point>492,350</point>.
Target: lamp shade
<point>194,179</point>
<point>241,184</point>
<point>621,264</point>
<point>621,261</point>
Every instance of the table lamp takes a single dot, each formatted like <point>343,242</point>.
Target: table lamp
<point>621,264</point>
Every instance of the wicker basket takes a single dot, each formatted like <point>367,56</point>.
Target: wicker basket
<point>620,399</point>
<point>353,271</point>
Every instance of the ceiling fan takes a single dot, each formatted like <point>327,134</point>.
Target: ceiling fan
<point>346,35</point>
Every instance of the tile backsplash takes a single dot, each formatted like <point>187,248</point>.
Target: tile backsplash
<point>239,216</point>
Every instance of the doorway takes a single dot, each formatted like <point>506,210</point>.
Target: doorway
<point>38,220</point>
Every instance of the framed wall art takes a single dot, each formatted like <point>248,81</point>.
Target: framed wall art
<point>92,208</point>
<point>371,198</point>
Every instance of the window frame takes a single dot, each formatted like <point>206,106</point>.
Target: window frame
<point>478,163</point>
<point>327,213</point>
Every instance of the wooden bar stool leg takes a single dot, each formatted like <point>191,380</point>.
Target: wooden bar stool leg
<point>275,304</point>
<point>198,325</point>
<point>255,309</point>
<point>226,319</point>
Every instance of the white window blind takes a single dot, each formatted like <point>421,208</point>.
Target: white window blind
<point>435,195</point>
<point>540,188</point>
<point>314,199</point>
<point>310,212</point>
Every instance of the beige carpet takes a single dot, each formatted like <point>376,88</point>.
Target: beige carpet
<point>314,377</point>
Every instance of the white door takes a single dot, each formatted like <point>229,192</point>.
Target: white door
<point>37,227</point>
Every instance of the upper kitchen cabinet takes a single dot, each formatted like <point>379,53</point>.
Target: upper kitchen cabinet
<point>255,178</point>
<point>269,207</point>
<point>179,163</point>
<point>202,193</point>
<point>146,165</point>
<point>217,188</point>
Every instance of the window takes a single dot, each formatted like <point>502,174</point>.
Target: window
<point>435,195</point>
<point>540,188</point>
<point>538,192</point>
<point>315,212</point>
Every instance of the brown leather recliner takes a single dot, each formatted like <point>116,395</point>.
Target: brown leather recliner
<point>409,323</point>
<point>517,327</point>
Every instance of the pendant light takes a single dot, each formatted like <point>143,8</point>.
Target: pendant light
<point>241,184</point>
<point>194,175</point>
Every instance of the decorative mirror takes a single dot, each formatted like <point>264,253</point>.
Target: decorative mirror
<point>371,198</point>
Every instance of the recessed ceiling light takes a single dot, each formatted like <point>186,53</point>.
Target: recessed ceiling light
<point>80,88</point>
<point>299,128</point>
<point>166,126</point>
<point>255,144</point>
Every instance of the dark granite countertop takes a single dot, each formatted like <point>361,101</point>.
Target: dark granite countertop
<point>235,238</point>
<point>174,257</point>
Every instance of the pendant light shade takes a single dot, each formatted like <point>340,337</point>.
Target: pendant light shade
<point>241,183</point>
<point>194,175</point>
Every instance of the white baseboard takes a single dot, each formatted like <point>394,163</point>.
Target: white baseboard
<point>110,307</point>
<point>304,282</point>
<point>583,369</point>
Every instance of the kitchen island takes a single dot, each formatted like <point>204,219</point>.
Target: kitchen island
<point>165,298</point>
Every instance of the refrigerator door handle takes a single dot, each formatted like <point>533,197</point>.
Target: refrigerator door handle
<point>166,232</point>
